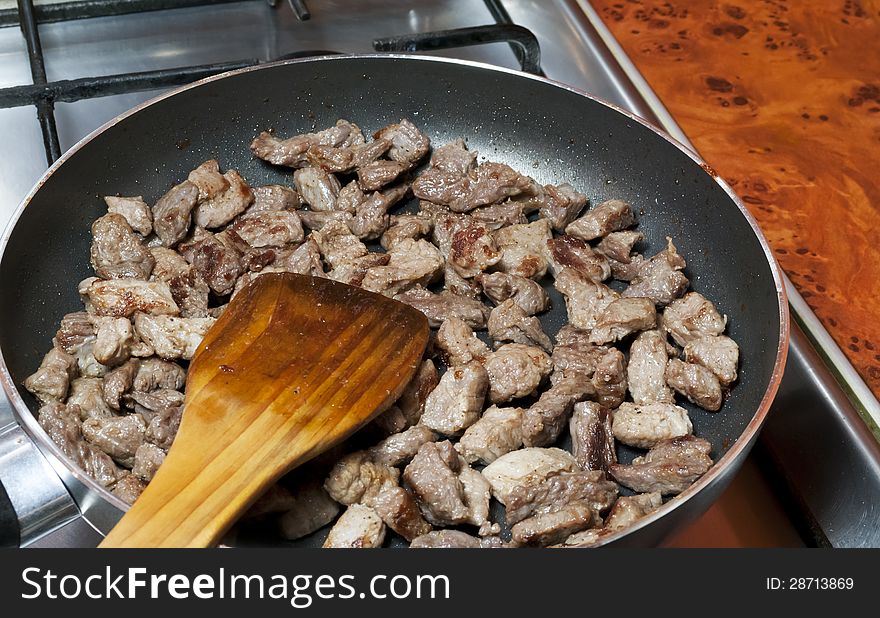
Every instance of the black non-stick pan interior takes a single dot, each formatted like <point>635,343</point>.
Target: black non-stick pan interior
<point>551,133</point>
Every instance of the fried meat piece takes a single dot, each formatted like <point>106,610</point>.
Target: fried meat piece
<point>445,305</point>
<point>117,252</point>
<point>496,433</point>
<point>660,278</point>
<point>526,293</point>
<point>692,317</point>
<point>645,426</point>
<point>508,322</point>
<point>601,220</point>
<point>668,468</point>
<point>455,404</point>
<point>592,437</point>
<point>516,370</point>
<point>696,383</point>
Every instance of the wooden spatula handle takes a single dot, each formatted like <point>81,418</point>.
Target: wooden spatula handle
<point>292,367</point>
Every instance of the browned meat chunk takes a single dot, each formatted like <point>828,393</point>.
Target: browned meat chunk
<point>272,228</point>
<point>501,215</point>
<point>453,181</point>
<point>373,176</point>
<point>412,401</point>
<point>399,448</point>
<point>118,382</point>
<point>550,494</point>
<point>497,433</point>
<point>163,427</point>
<point>190,293</point>
<point>660,278</point>
<point>645,426</point>
<point>524,249</point>
<point>75,330</point>
<point>134,209</point>
<point>599,371</point>
<point>147,460</point>
<point>457,401</point>
<point>551,528</point>
<point>692,317</point>
<point>155,402</point>
<point>359,527</point>
<point>124,297</point>
<point>585,300</point>
<point>209,180</point>
<point>718,354</point>
<point>696,383</point>
<point>411,263</point>
<point>526,293</point>
<point>446,539</point>
<point>516,370</point>
<point>449,492</point>
<point>445,305</point>
<point>155,373</point>
<point>473,250</point>
<point>117,252</point>
<point>357,478</point>
<point>545,419</point>
<point>172,337</point>
<point>371,217</point>
<point>458,285</point>
<point>607,217</point>
<point>629,509</point>
<point>400,512</point>
<point>458,345</point>
<point>304,259</point>
<point>114,341</point>
<point>292,152</point>
<point>570,252</point>
<point>354,272</point>
<point>274,197</point>
<point>348,158</point>
<point>669,468</point>
<point>51,381</point>
<point>169,264</point>
<point>87,394</point>
<point>315,220</point>
<point>508,322</point>
<point>518,467</point>
<point>128,488</point>
<point>63,425</point>
<point>217,258</point>
<point>618,246</point>
<point>561,205</point>
<point>338,245</point>
<point>118,436</point>
<point>646,371</point>
<point>318,188</point>
<point>172,214</point>
<point>408,143</point>
<point>623,317</point>
<point>592,439</point>
<point>406,226</point>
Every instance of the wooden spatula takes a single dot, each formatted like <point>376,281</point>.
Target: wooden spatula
<point>292,367</point>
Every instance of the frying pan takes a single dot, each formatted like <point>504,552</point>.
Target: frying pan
<point>549,131</point>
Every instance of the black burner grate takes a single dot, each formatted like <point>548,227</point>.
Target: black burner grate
<point>43,95</point>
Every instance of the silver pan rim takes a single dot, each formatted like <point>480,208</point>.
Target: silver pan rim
<point>730,459</point>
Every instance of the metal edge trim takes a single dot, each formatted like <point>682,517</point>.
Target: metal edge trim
<point>858,392</point>
<point>743,442</point>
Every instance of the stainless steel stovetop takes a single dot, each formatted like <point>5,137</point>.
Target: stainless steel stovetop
<point>818,445</point>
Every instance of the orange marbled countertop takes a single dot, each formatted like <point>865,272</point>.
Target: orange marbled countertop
<point>782,98</point>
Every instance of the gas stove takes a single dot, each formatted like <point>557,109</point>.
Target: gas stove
<point>68,67</point>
